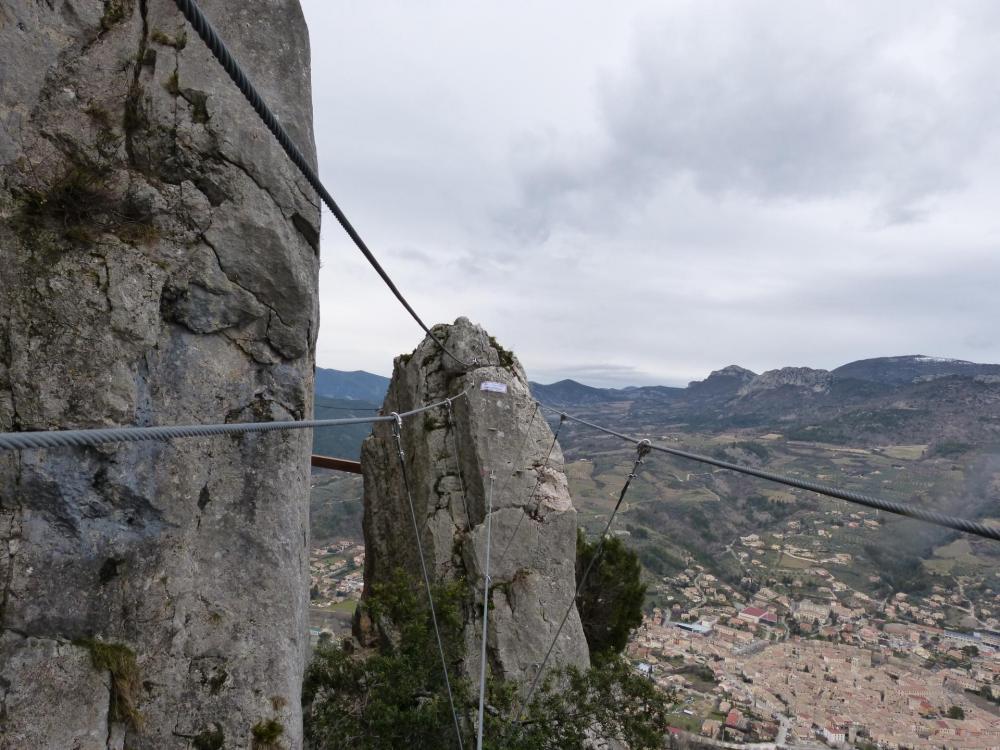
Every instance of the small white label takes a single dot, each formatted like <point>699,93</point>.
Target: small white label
<point>489,385</point>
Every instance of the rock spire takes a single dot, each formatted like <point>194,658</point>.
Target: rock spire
<point>494,432</point>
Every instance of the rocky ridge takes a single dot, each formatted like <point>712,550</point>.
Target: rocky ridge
<point>494,432</point>
<point>159,267</point>
<point>817,381</point>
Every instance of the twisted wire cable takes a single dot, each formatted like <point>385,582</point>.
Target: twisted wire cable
<point>902,509</point>
<point>191,11</point>
<point>100,436</point>
<point>486,611</point>
<point>131,434</point>
<point>397,426</point>
<point>435,405</point>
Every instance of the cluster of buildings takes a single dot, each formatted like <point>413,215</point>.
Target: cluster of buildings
<point>336,573</point>
<point>850,694</point>
<point>836,667</point>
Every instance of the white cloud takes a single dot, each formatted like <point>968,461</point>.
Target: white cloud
<point>639,193</point>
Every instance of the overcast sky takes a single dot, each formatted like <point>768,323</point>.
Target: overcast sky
<point>634,193</point>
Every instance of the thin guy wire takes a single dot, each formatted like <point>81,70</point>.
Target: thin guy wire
<point>486,611</point>
<point>396,430</point>
<point>225,58</point>
<point>131,434</point>
<point>642,449</point>
<point>938,519</point>
<point>458,465</point>
<point>538,481</point>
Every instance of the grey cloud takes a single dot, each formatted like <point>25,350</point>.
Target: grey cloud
<point>648,195</point>
<point>601,375</point>
<point>789,101</point>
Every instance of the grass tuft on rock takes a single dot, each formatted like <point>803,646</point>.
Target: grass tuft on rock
<point>115,11</point>
<point>210,739</point>
<point>120,661</point>
<point>506,356</point>
<point>266,734</point>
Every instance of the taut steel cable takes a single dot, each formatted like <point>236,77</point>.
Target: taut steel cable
<point>221,53</point>
<point>938,519</point>
<point>397,426</point>
<point>132,434</point>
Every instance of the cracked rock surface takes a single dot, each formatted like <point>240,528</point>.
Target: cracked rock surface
<point>159,266</point>
<point>534,582</point>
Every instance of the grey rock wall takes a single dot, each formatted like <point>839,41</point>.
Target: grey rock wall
<point>535,581</point>
<point>158,265</point>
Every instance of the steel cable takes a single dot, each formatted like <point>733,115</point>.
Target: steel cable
<point>397,426</point>
<point>938,519</point>
<point>486,611</point>
<point>217,47</point>
<point>131,434</point>
<point>100,436</point>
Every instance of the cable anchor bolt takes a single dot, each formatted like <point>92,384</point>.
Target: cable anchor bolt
<point>643,447</point>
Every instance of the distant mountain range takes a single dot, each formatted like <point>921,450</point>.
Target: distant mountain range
<point>911,398</point>
<point>914,397</point>
<point>356,385</point>
<point>734,380</point>
<point>727,383</point>
<point>914,429</point>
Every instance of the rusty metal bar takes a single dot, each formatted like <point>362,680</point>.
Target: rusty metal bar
<point>340,464</point>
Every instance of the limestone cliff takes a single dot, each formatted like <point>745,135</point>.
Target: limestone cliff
<point>159,265</point>
<point>806,378</point>
<point>494,432</point>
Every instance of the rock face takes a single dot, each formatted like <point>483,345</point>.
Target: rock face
<point>499,432</point>
<point>158,267</point>
<point>817,381</point>
<point>724,382</point>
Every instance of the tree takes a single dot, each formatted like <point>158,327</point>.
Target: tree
<point>610,602</point>
<point>395,696</point>
<point>956,712</point>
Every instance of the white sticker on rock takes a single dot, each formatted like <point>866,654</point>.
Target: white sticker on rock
<point>490,385</point>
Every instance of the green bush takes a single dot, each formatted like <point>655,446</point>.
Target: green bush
<point>394,696</point>
<point>610,602</point>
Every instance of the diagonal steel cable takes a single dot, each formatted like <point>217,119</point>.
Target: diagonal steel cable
<point>642,449</point>
<point>191,11</point>
<point>486,611</point>
<point>397,426</point>
<point>938,519</point>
